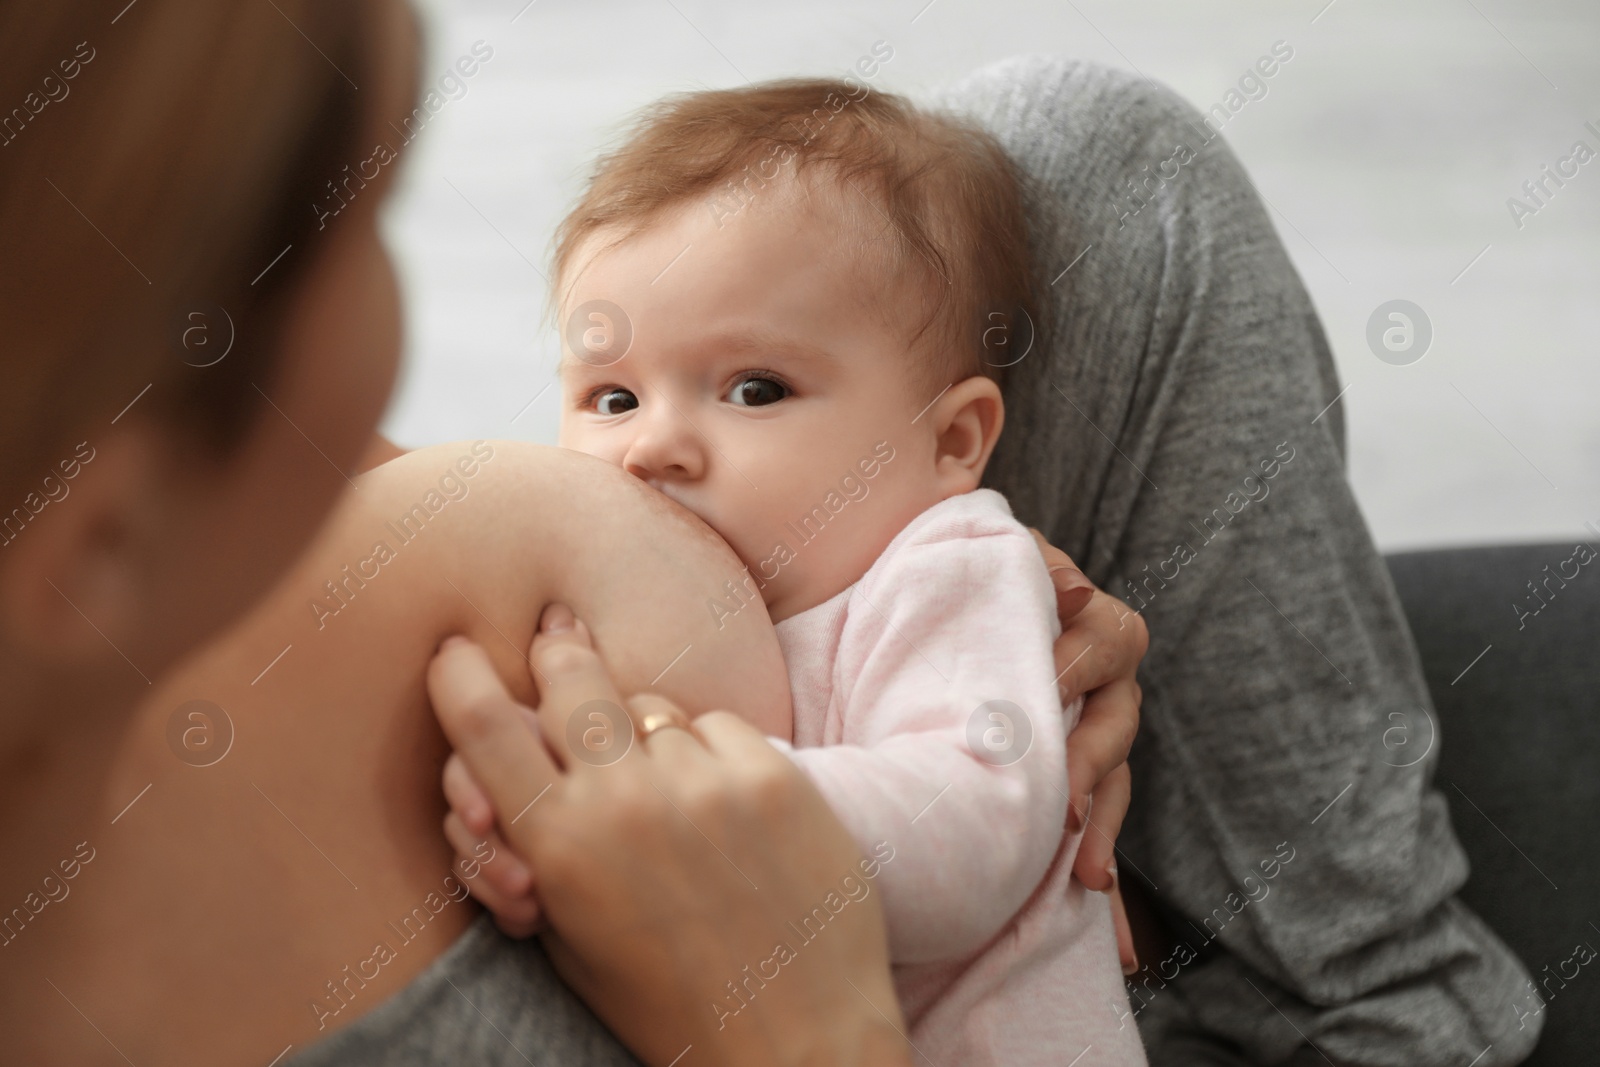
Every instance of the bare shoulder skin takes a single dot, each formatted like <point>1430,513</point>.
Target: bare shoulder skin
<point>271,849</point>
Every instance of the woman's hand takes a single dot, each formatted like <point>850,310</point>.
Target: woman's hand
<point>1098,653</point>
<point>668,867</point>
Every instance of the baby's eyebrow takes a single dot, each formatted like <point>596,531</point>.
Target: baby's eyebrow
<point>740,342</point>
<point>762,341</point>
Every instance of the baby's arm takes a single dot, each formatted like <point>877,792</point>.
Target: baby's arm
<point>946,630</point>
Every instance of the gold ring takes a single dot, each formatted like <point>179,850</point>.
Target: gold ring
<point>662,720</point>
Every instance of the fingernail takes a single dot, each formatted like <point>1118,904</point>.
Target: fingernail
<point>1074,816</point>
<point>556,619</point>
<point>453,641</point>
<point>1111,872</point>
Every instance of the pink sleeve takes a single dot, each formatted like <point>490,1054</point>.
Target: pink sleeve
<point>949,646</point>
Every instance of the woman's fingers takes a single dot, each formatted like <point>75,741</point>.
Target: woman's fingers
<point>488,859</point>
<point>1103,642</point>
<point>581,716</point>
<point>518,928</point>
<point>1119,922</point>
<point>733,740</point>
<point>463,793</point>
<point>500,881</point>
<point>518,914</point>
<point>1096,855</point>
<point>668,744</point>
<point>1100,744</point>
<point>700,828</point>
<point>1073,590</point>
<point>466,798</point>
<point>1097,656</point>
<point>487,728</point>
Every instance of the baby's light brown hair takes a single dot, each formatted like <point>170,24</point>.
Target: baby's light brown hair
<point>947,193</point>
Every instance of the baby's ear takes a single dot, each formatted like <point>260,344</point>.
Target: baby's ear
<point>966,422</point>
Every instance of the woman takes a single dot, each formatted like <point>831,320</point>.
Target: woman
<point>167,189</point>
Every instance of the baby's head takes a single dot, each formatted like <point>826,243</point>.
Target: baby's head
<point>787,307</point>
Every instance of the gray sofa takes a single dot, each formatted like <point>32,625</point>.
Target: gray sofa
<point>1519,758</point>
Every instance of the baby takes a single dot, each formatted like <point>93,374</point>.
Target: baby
<point>787,308</point>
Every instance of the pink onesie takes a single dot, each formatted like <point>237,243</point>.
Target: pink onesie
<point>1000,958</point>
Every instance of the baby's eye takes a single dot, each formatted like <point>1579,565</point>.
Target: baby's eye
<point>757,392</point>
<point>615,402</point>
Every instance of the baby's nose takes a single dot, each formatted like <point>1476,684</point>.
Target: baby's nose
<point>668,449</point>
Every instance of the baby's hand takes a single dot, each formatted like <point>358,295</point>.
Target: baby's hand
<point>503,884</point>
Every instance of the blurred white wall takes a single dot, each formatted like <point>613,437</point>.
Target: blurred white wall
<point>1387,148</point>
